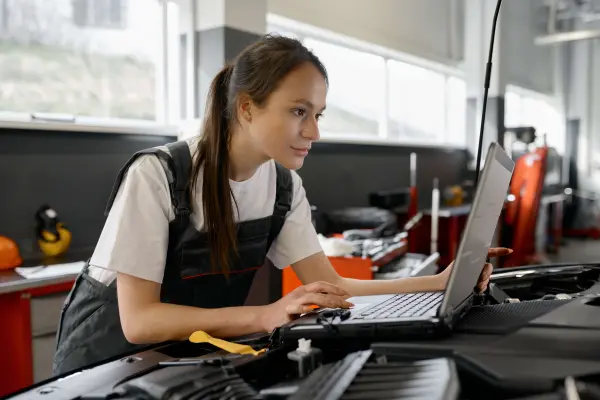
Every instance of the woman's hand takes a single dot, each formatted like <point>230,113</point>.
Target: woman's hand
<point>484,277</point>
<point>300,301</point>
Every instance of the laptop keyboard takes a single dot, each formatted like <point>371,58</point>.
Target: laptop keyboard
<point>402,305</point>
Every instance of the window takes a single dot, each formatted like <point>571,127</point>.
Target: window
<point>456,111</point>
<point>537,110</point>
<point>100,13</point>
<point>56,60</point>
<point>512,110</point>
<point>355,101</point>
<point>417,103</point>
<point>376,93</point>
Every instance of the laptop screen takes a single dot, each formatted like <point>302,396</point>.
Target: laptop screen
<point>480,228</point>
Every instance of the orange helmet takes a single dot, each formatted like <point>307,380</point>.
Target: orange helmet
<point>9,253</point>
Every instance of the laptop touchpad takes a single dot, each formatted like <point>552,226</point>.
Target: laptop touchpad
<point>363,301</point>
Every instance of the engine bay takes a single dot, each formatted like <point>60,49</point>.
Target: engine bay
<point>546,282</point>
<point>491,355</point>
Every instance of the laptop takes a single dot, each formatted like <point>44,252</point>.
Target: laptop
<point>422,313</point>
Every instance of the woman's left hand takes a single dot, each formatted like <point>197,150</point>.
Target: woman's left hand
<point>484,277</point>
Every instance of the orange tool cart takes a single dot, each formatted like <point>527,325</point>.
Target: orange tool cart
<point>348,267</point>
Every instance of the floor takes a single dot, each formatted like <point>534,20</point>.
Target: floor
<point>578,251</point>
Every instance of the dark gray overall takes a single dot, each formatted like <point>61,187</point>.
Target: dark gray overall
<point>90,330</point>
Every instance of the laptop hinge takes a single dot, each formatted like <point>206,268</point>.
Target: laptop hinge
<point>459,311</point>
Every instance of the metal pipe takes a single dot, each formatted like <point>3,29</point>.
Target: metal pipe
<point>163,87</point>
<point>413,169</point>
<point>435,215</point>
<point>563,37</point>
<point>191,87</point>
<point>551,26</point>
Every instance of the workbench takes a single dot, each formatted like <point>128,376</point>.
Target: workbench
<point>30,310</point>
<point>452,221</point>
<point>501,351</point>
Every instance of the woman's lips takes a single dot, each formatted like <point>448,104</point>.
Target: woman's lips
<point>301,151</point>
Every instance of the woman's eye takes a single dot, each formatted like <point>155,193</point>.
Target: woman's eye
<point>299,112</point>
<point>319,116</point>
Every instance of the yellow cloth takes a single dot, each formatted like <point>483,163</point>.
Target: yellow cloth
<point>203,337</point>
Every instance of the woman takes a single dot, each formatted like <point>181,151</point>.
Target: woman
<point>189,225</point>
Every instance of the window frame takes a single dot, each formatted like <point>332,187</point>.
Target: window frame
<point>302,31</point>
<point>89,15</point>
<point>167,95</point>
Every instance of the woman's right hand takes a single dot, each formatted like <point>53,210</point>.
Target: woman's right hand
<point>301,300</point>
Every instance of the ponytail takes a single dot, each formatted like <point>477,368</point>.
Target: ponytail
<point>213,155</point>
<point>255,73</point>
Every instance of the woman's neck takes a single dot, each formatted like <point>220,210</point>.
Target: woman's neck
<point>244,158</point>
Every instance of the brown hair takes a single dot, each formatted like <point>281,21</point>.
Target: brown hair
<point>256,72</point>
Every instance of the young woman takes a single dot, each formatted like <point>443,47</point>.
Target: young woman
<point>188,225</point>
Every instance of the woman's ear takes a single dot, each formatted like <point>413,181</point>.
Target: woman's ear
<point>245,106</point>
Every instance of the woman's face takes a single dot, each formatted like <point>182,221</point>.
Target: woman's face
<point>286,126</point>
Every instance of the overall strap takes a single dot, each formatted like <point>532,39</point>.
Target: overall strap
<point>283,201</point>
<point>180,169</point>
<point>156,151</point>
<point>177,166</point>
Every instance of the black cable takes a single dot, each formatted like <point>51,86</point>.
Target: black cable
<point>486,89</point>
<point>488,74</point>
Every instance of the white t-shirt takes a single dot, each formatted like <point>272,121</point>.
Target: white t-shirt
<point>136,233</point>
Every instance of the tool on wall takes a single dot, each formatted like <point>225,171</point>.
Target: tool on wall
<point>52,234</point>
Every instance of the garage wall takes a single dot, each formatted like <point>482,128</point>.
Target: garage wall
<point>525,64</point>
<point>72,171</point>
<point>432,29</point>
<point>584,105</point>
<point>593,133</point>
<point>435,29</point>
<point>353,171</point>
